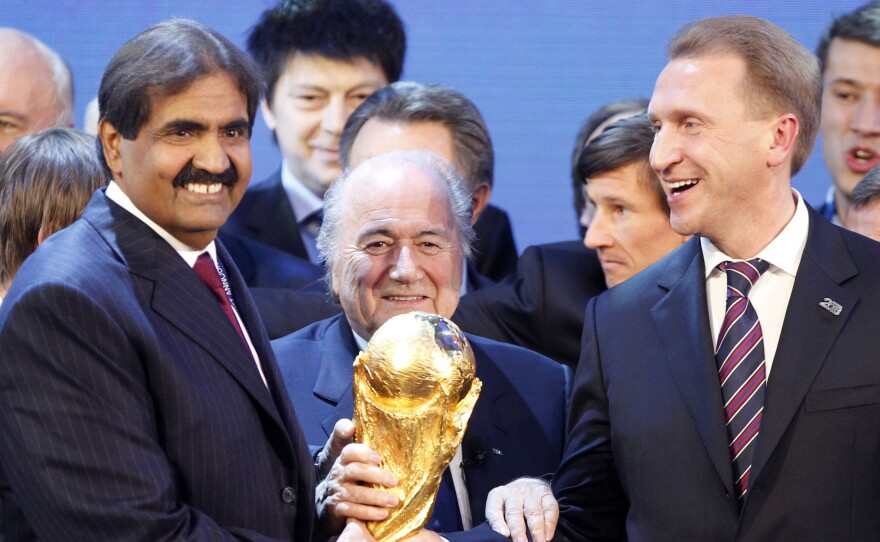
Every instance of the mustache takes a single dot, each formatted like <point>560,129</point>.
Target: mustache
<point>192,174</point>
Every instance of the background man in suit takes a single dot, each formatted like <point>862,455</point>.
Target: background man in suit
<point>408,115</point>
<point>140,402</point>
<point>595,124</point>
<point>46,179</point>
<point>849,56</point>
<point>322,58</point>
<point>36,87</point>
<point>864,209</point>
<point>660,447</point>
<point>542,307</point>
<point>390,252</point>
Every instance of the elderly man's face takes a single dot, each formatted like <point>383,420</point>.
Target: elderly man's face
<point>27,95</point>
<point>190,162</point>
<point>851,112</point>
<point>399,248</point>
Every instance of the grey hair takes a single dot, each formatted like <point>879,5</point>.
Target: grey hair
<point>459,198</point>
<point>867,190</point>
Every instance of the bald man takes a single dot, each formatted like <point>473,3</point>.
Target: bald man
<point>36,87</point>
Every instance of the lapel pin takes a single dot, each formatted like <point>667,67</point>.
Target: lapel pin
<point>831,306</point>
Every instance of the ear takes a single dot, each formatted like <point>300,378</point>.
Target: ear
<point>479,200</point>
<point>268,116</point>
<point>785,132</point>
<point>110,142</point>
<point>45,231</point>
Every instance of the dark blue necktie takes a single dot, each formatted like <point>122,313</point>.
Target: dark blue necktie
<point>446,517</point>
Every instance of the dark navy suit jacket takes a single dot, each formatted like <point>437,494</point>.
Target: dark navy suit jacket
<point>262,266</point>
<point>129,407</point>
<point>265,215</point>
<point>517,426</point>
<point>541,307</point>
<point>647,456</point>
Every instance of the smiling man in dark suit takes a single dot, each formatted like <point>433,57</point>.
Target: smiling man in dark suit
<point>768,296</point>
<point>391,252</point>
<point>140,398</point>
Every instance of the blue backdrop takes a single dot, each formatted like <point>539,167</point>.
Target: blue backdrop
<point>535,68</point>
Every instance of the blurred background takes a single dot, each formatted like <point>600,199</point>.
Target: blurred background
<point>535,68</point>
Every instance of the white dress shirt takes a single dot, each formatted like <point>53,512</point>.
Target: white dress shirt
<point>115,194</point>
<point>304,202</point>
<point>771,292</point>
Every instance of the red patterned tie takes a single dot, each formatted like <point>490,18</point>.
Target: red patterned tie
<point>740,356</point>
<point>207,271</point>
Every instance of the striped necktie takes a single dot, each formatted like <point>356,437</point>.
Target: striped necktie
<point>740,357</point>
<point>207,271</point>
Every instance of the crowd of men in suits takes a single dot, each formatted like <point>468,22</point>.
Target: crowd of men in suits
<point>627,391</point>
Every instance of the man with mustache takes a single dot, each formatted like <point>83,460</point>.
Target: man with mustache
<point>849,56</point>
<point>139,396</point>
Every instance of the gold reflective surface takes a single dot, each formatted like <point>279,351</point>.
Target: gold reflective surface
<point>414,391</point>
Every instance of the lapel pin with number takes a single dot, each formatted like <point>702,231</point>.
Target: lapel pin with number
<point>831,306</point>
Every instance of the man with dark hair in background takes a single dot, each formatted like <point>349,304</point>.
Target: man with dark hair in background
<point>321,59</point>
<point>542,306</point>
<point>36,87</point>
<point>595,124</point>
<point>139,396</point>
<point>849,56</point>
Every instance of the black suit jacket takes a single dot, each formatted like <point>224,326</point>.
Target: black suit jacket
<point>495,254</point>
<point>647,455</point>
<point>265,215</point>
<point>262,266</point>
<point>517,427</point>
<point>129,407</point>
<point>542,306</point>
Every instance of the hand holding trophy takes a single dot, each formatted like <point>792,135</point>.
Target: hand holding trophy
<point>414,391</point>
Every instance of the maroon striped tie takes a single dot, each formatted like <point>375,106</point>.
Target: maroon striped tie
<point>207,271</point>
<point>740,356</point>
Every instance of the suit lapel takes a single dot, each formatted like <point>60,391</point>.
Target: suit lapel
<point>334,382</point>
<point>808,332</point>
<point>681,317</point>
<point>181,298</point>
<point>272,216</point>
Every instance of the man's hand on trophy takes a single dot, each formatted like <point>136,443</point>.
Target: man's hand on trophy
<point>343,493</point>
<point>528,498</point>
<point>343,435</point>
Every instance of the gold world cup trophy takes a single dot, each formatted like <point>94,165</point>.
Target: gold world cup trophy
<point>414,391</point>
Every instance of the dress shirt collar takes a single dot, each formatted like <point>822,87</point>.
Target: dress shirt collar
<point>360,341</point>
<point>303,201</point>
<point>783,252</point>
<point>189,255</point>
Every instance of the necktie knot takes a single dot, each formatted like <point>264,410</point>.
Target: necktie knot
<point>207,271</point>
<point>741,276</point>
